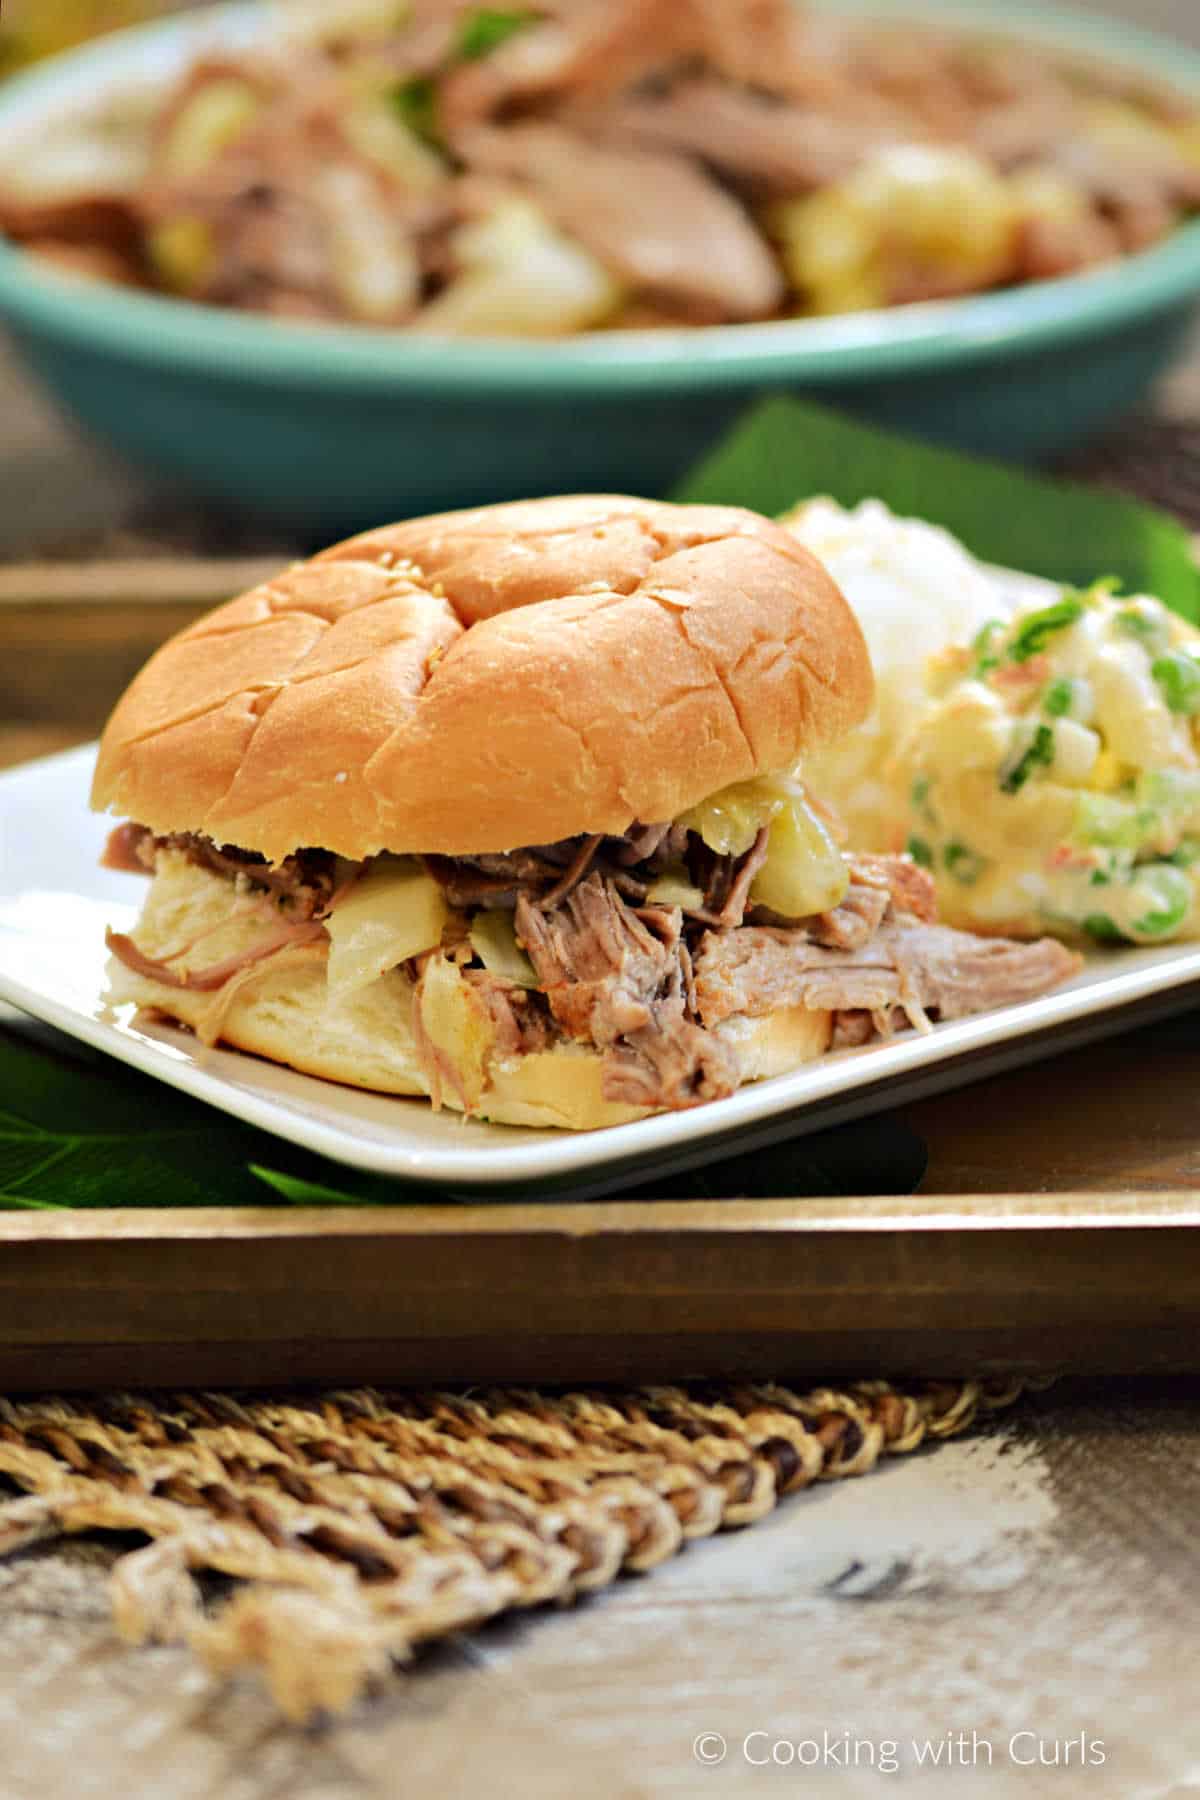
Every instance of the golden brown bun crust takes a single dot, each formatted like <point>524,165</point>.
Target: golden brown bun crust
<point>481,680</point>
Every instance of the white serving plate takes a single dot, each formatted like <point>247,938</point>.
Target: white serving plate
<point>55,902</point>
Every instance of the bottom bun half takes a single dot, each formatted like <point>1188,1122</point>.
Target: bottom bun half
<point>282,1010</point>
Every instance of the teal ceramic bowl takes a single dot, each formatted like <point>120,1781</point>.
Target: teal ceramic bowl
<point>332,428</point>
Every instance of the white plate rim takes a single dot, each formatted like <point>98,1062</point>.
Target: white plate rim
<point>493,1156</point>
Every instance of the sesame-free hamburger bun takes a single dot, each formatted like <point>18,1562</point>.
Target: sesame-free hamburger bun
<point>462,687</point>
<point>478,680</point>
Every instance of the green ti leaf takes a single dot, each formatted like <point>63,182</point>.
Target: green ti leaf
<point>784,450</point>
<point>301,1192</point>
<point>79,1130</point>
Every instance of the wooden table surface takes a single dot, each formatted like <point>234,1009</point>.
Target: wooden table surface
<point>1021,1606</point>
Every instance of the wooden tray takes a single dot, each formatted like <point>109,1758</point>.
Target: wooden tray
<point>635,1290</point>
<point>642,1290</point>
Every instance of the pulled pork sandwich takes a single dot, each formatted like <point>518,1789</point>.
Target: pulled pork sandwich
<point>501,808</point>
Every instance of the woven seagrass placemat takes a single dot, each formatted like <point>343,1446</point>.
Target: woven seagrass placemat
<point>320,1540</point>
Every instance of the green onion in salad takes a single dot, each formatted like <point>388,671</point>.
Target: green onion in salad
<point>919,797</point>
<point>1169,892</point>
<point>1102,928</point>
<point>1038,754</point>
<point>1178,675</point>
<point>963,863</point>
<point>1107,820</point>
<point>1146,621</point>
<point>983,644</point>
<point>1058,697</point>
<point>1174,791</point>
<point>1038,627</point>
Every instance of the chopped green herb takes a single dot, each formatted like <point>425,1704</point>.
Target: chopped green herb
<point>1101,927</point>
<point>1039,626</point>
<point>919,798</point>
<point>480,32</point>
<point>1058,697</point>
<point>1146,621</point>
<point>984,646</point>
<point>1039,754</point>
<point>1178,675</point>
<point>1099,879</point>
<point>485,29</point>
<point>966,865</point>
<point>920,852</point>
<point>1103,589</point>
<point>416,102</point>
<point>1186,852</point>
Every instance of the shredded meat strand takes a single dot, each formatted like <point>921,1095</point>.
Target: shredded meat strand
<point>210,1024</point>
<point>853,922</point>
<point>651,844</point>
<point>744,870</point>
<point>576,871</point>
<point>646,985</point>
<point>519,1018</point>
<point>930,968</point>
<point>129,848</point>
<point>304,883</point>
<point>910,888</point>
<point>614,977</point>
<point>301,931</point>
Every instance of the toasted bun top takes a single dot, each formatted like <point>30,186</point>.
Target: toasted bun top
<point>481,680</point>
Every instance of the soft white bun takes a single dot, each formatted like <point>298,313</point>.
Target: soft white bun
<point>285,1013</point>
<point>487,679</point>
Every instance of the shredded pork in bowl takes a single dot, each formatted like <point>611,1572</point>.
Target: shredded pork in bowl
<point>584,165</point>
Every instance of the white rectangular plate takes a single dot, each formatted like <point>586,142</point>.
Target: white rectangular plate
<point>55,901</point>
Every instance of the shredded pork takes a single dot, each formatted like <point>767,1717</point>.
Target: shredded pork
<point>613,976</point>
<point>929,969</point>
<point>646,985</point>
<point>215,975</point>
<point>342,177</point>
<point>649,215</point>
<point>519,1018</point>
<point>765,144</point>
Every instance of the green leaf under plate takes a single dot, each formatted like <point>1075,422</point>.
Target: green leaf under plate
<point>78,1130</point>
<point>787,450</point>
